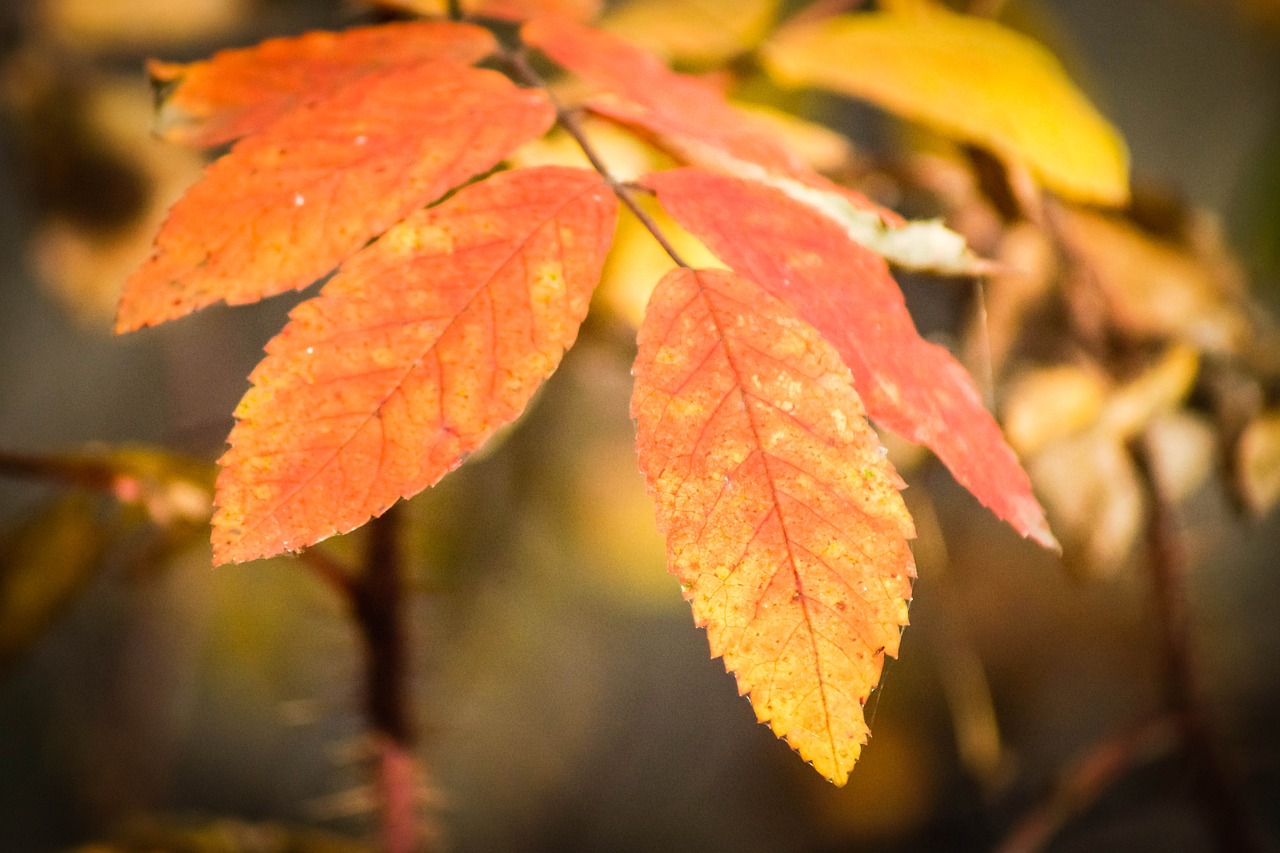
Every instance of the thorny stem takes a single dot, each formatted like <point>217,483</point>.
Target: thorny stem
<point>377,603</point>
<point>569,118</point>
<point>1218,795</point>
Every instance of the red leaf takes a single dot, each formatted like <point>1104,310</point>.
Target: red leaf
<point>782,516</point>
<point>410,358</point>
<point>288,205</point>
<point>238,92</point>
<point>686,115</point>
<point>910,386</point>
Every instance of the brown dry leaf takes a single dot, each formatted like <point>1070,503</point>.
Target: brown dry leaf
<point>1183,448</point>
<point>707,32</point>
<point>1045,406</point>
<point>1160,388</point>
<point>1094,500</point>
<point>1154,289</point>
<point>95,24</point>
<point>1258,462</point>
<point>1026,263</point>
<point>1086,478</point>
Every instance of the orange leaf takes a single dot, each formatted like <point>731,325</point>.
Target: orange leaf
<point>685,115</point>
<point>410,358</point>
<point>288,205</point>
<point>782,515</point>
<point>910,386</point>
<point>238,92</point>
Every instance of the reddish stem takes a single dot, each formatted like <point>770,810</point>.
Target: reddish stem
<point>377,604</point>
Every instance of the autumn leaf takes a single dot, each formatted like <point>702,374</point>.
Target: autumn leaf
<point>411,357</point>
<point>511,10</point>
<point>910,386</point>
<point>700,31</point>
<point>694,123</point>
<point>969,78</point>
<point>289,204</point>
<point>684,115</point>
<point>782,515</point>
<point>238,92</point>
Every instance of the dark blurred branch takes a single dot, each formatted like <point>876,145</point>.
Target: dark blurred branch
<point>1218,793</point>
<point>820,10</point>
<point>377,603</point>
<point>1086,780</point>
<point>70,471</point>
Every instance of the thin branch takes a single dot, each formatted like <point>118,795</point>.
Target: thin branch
<point>1218,794</point>
<point>1087,778</point>
<point>570,119</point>
<point>377,603</point>
<point>71,471</point>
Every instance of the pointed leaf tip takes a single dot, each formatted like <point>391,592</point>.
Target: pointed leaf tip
<point>782,515</point>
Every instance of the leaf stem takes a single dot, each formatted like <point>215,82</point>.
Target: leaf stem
<point>377,604</point>
<point>570,119</point>
<point>1219,797</point>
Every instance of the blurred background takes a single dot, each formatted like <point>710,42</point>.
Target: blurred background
<point>565,700</point>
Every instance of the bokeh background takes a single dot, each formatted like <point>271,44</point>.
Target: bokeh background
<point>566,701</point>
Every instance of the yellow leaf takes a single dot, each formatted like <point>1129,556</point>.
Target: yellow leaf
<point>969,78</point>
<point>782,516</point>
<point>1259,462</point>
<point>705,32</point>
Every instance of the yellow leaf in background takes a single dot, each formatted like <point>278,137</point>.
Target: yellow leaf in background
<point>969,78</point>
<point>636,261</point>
<point>821,147</point>
<point>624,154</point>
<point>704,32</point>
<point>95,24</point>
<point>1258,462</point>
